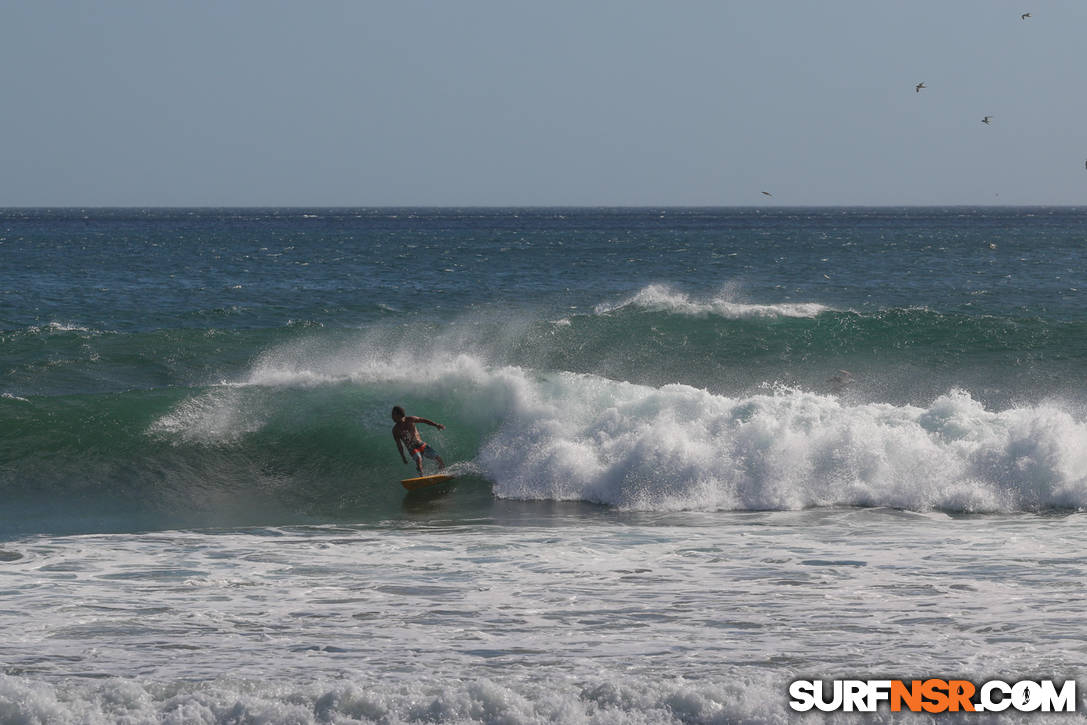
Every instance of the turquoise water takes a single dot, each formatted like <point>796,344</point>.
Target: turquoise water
<point>167,368</point>
<point>700,453</point>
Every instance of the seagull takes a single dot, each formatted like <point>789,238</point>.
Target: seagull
<point>986,120</point>
<point>1024,16</point>
<point>767,193</point>
<point>919,86</point>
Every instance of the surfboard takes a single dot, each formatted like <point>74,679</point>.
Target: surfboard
<point>413,484</point>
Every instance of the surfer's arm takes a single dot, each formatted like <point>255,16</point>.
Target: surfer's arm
<point>400,447</point>
<point>439,426</point>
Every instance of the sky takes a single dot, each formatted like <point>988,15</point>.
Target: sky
<point>557,103</point>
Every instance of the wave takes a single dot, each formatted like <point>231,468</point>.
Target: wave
<point>304,435</point>
<point>570,436</point>
<point>900,355</point>
<point>663,298</point>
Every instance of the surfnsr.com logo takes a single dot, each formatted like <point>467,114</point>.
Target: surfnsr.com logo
<point>932,695</point>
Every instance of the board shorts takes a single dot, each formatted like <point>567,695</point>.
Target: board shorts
<point>421,450</point>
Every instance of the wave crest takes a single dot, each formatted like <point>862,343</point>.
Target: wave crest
<point>662,298</point>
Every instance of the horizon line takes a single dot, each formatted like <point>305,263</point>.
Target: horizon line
<point>84,207</point>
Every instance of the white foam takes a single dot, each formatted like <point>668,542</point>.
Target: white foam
<point>67,327</point>
<point>613,699</point>
<point>662,298</point>
<point>574,437</point>
<point>61,327</point>
<point>586,620</point>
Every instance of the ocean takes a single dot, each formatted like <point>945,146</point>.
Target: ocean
<point>699,454</point>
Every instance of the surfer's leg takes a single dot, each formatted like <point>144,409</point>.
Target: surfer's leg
<point>432,453</point>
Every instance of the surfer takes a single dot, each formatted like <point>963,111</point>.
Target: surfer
<point>407,436</point>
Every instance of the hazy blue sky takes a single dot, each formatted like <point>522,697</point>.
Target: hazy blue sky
<point>262,102</point>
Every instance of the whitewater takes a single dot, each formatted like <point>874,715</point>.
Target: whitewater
<point>699,454</point>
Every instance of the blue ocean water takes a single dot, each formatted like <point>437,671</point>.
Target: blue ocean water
<point>693,447</point>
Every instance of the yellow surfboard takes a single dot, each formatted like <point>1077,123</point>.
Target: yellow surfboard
<point>413,484</point>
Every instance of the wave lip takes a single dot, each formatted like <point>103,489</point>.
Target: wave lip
<point>662,298</point>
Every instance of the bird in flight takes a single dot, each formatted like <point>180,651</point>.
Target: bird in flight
<point>767,193</point>
<point>919,86</point>
<point>987,120</point>
<point>1024,16</point>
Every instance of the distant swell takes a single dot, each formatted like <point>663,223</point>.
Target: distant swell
<point>662,298</point>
